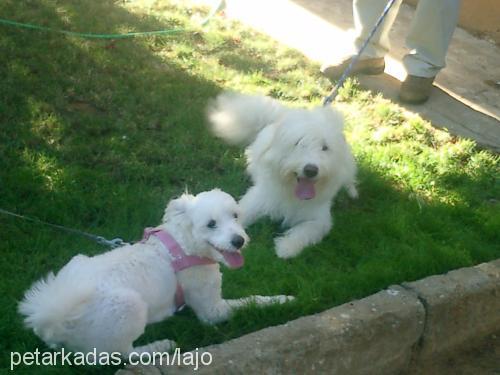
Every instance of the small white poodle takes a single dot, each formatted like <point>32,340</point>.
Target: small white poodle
<point>104,302</point>
<point>298,160</point>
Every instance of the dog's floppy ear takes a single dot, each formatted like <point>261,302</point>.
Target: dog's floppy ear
<point>177,207</point>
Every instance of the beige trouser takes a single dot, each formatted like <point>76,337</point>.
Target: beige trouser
<point>428,38</point>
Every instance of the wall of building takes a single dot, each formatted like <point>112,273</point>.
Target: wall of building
<point>479,17</point>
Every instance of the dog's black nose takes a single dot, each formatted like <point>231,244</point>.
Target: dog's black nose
<point>310,170</point>
<point>237,241</point>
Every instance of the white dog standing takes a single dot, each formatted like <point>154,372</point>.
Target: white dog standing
<point>298,160</point>
<point>104,302</point>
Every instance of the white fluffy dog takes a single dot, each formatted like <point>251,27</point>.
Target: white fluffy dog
<point>104,302</point>
<point>298,160</point>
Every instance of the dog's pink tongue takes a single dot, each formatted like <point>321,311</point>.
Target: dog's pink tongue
<point>233,258</point>
<point>305,189</point>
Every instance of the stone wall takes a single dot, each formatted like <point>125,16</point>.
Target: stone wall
<point>403,327</point>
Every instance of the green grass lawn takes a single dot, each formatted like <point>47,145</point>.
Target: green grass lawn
<point>99,135</point>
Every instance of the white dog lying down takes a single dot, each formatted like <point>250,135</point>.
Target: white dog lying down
<point>105,301</point>
<point>298,160</point>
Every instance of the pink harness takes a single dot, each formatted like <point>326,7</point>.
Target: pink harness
<point>180,260</point>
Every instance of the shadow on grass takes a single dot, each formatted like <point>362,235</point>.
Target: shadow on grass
<point>91,132</point>
<point>386,237</point>
<point>113,111</point>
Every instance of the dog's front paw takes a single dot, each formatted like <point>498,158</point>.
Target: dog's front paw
<point>156,348</point>
<point>283,299</point>
<point>285,248</point>
<point>272,300</point>
<point>163,346</point>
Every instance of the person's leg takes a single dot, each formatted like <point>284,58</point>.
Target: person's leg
<point>428,40</point>
<point>366,13</point>
<point>430,35</point>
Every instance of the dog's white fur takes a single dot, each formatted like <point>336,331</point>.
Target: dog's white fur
<point>280,142</point>
<point>105,301</point>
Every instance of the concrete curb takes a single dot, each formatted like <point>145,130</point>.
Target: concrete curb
<point>386,333</point>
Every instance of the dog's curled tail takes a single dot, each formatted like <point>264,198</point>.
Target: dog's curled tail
<point>238,118</point>
<point>53,302</point>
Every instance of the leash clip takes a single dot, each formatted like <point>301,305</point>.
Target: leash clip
<point>114,243</point>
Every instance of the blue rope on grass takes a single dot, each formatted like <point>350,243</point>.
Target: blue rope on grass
<point>115,242</point>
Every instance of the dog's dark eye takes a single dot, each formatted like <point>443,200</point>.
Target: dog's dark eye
<point>212,224</point>
<point>235,215</point>
<point>325,148</point>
